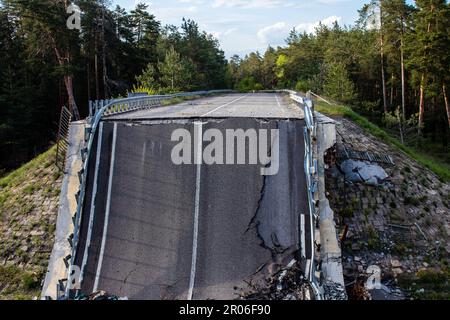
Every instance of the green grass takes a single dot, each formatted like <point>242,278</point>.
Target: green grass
<point>17,190</point>
<point>20,175</point>
<point>427,284</point>
<point>16,284</point>
<point>439,167</point>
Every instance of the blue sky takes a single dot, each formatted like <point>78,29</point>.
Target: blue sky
<point>243,26</point>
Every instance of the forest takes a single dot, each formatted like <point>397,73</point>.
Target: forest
<point>391,65</point>
<point>45,65</point>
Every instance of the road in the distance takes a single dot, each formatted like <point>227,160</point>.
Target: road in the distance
<point>250,105</point>
<point>162,231</point>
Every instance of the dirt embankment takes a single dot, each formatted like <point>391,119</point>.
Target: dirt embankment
<point>28,210</point>
<point>400,224</point>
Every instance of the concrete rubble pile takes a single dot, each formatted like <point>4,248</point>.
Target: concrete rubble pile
<point>286,284</point>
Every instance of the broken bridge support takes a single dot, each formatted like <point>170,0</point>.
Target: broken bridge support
<point>332,279</point>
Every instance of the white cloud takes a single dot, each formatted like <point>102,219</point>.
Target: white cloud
<point>275,34</point>
<point>196,2</point>
<point>247,4</point>
<point>221,35</point>
<point>310,27</point>
<point>230,31</point>
<point>271,34</point>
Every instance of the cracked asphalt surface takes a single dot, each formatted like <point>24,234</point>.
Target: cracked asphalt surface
<point>190,231</point>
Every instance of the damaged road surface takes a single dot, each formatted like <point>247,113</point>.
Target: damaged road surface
<point>152,229</point>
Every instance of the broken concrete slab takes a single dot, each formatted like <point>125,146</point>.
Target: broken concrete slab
<point>57,269</point>
<point>330,252</point>
<point>364,172</point>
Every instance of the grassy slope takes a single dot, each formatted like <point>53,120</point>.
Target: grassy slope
<point>28,209</point>
<point>439,167</point>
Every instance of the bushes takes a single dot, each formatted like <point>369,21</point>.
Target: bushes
<point>17,284</point>
<point>427,284</point>
<point>248,84</point>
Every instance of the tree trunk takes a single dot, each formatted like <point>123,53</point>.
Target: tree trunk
<point>400,127</point>
<point>105,83</point>
<point>88,67</point>
<point>383,78</point>
<point>422,103</point>
<point>392,89</point>
<point>97,89</point>
<point>68,82</point>
<point>447,108</point>
<point>97,84</point>
<point>402,58</point>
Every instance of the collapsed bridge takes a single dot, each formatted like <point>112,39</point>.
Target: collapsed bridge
<point>150,228</point>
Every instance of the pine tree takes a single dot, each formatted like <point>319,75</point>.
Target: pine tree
<point>173,71</point>
<point>47,20</point>
<point>428,47</point>
<point>337,83</point>
<point>396,20</point>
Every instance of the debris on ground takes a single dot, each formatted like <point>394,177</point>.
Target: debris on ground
<point>363,171</point>
<point>98,296</point>
<point>286,284</point>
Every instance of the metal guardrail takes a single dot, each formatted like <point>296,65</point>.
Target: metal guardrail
<point>311,177</point>
<point>140,102</point>
<point>62,139</point>
<point>98,110</point>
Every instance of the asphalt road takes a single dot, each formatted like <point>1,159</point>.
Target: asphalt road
<point>155,230</point>
<point>251,105</point>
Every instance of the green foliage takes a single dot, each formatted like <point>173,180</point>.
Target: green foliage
<point>147,80</point>
<point>248,84</point>
<point>427,284</point>
<point>19,175</point>
<point>303,86</point>
<point>102,61</point>
<point>175,72</point>
<point>30,281</point>
<point>17,284</point>
<point>337,84</point>
<point>410,45</point>
<point>373,241</point>
<point>143,89</point>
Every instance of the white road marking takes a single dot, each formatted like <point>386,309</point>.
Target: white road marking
<point>108,208</point>
<point>198,161</point>
<point>302,235</point>
<point>92,210</point>
<point>307,269</point>
<point>279,104</point>
<point>278,101</point>
<point>223,106</point>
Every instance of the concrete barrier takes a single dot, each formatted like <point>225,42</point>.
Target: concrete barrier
<point>57,269</point>
<point>332,279</point>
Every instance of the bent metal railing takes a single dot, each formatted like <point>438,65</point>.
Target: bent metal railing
<point>311,180</point>
<point>62,143</point>
<point>98,110</point>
